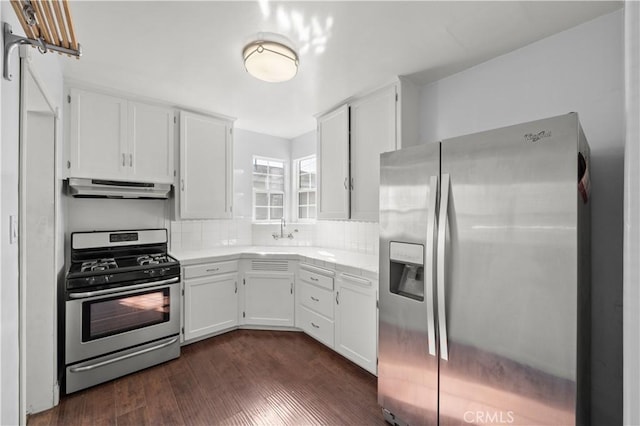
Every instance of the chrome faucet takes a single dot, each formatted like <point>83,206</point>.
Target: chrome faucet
<point>283,225</point>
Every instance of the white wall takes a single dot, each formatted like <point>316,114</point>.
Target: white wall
<point>631,318</point>
<point>6,381</point>
<point>48,69</point>
<point>577,70</point>
<point>9,288</point>
<point>304,145</point>
<point>246,144</point>
<point>41,337</point>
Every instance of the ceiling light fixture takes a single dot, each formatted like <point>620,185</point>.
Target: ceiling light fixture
<point>270,61</point>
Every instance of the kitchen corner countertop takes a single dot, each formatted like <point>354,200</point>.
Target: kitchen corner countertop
<point>354,263</point>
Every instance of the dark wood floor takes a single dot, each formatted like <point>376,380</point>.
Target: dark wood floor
<point>242,377</point>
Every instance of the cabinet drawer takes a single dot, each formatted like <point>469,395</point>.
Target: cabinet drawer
<point>317,299</point>
<point>352,279</point>
<point>316,279</point>
<point>210,269</point>
<point>316,326</point>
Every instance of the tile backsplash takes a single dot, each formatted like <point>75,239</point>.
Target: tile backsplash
<point>303,234</point>
<point>203,234</point>
<point>348,235</point>
<point>345,235</point>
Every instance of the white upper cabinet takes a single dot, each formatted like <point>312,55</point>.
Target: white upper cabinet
<point>97,135</point>
<point>151,134</point>
<point>206,179</point>
<point>114,138</point>
<point>333,160</point>
<point>350,141</point>
<point>373,131</point>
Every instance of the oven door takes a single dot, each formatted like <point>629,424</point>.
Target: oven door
<point>105,321</point>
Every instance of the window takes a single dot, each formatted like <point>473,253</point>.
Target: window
<point>306,187</point>
<point>268,189</point>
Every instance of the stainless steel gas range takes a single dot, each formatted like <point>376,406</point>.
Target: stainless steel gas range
<point>121,305</point>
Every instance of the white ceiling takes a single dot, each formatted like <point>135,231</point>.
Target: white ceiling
<point>189,53</point>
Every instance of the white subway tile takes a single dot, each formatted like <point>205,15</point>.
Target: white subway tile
<point>192,227</point>
<point>210,243</point>
<point>175,245</point>
<point>209,227</point>
<point>191,240</point>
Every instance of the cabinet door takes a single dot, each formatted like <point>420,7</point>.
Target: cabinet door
<point>268,299</point>
<point>333,165</point>
<point>356,323</point>
<point>210,304</point>
<point>373,131</point>
<point>97,136</point>
<point>151,142</point>
<point>205,167</point>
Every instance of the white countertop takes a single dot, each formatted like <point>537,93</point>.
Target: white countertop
<point>341,260</point>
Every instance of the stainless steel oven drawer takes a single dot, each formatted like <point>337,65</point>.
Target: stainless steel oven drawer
<point>98,370</point>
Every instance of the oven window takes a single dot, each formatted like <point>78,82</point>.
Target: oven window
<point>106,317</point>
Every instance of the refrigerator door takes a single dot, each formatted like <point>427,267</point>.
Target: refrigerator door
<point>407,353</point>
<point>510,275</point>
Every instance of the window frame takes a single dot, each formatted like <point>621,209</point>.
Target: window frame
<point>269,192</point>
<point>298,190</point>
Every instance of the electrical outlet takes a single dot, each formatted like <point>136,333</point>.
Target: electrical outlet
<point>13,229</point>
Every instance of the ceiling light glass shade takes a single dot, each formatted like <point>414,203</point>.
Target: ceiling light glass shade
<point>270,61</point>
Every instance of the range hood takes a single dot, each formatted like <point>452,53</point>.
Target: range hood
<point>99,188</point>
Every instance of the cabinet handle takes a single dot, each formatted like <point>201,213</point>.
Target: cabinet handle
<point>315,326</point>
<point>337,297</point>
<point>314,279</point>
<point>236,290</point>
<point>130,160</point>
<point>123,161</point>
<point>346,180</point>
<point>213,270</point>
<point>315,299</point>
<point>291,288</point>
<point>182,184</point>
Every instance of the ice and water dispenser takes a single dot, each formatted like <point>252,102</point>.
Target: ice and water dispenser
<point>406,267</point>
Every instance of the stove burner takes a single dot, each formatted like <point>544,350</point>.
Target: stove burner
<point>99,265</point>
<point>152,259</point>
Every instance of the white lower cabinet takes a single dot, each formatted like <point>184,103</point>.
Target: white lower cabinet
<point>356,321</point>
<point>315,303</point>
<point>210,299</point>
<point>268,299</point>
<point>316,326</point>
<point>343,317</point>
<point>340,312</point>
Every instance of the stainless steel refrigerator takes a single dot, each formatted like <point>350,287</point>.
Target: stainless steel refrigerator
<point>484,278</point>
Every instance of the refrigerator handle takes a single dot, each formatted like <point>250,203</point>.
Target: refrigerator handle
<point>442,234</point>
<point>429,263</point>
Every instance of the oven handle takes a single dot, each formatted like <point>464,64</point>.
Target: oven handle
<point>123,357</point>
<point>121,289</point>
